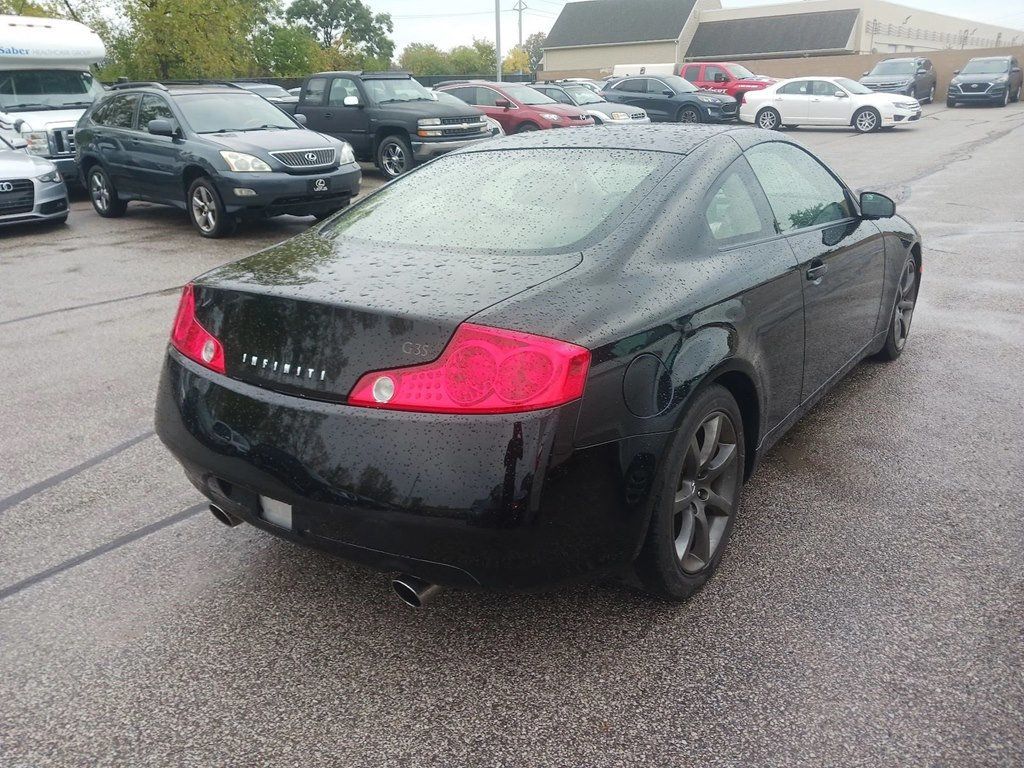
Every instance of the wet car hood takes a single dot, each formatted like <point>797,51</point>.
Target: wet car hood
<point>607,107</point>
<point>981,78</point>
<point>15,164</point>
<point>271,141</point>
<point>871,79</point>
<point>721,98</point>
<point>44,119</point>
<point>428,109</point>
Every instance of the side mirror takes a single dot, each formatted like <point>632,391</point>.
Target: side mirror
<point>841,95</point>
<point>668,92</point>
<point>503,104</point>
<point>874,205</point>
<point>922,71</point>
<point>300,119</point>
<point>1015,70</point>
<point>956,71</point>
<point>351,101</point>
<point>864,74</point>
<point>720,78</point>
<point>161,127</point>
<point>17,142</point>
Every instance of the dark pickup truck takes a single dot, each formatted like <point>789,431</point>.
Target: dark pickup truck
<point>388,118</point>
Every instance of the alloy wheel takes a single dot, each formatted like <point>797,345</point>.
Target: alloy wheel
<point>931,95</point>
<point>100,191</point>
<point>393,159</point>
<point>204,209</point>
<point>689,115</point>
<point>906,297</point>
<point>707,492</point>
<point>767,120</point>
<point>867,121</point>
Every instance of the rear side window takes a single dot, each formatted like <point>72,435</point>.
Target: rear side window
<point>467,94</point>
<point>506,201</point>
<point>99,115</point>
<point>691,73</point>
<point>121,111</point>
<point>801,191</point>
<point>736,208</point>
<point>314,92</point>
<point>632,86</point>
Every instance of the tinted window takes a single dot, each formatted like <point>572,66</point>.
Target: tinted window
<point>635,85</point>
<point>121,111</point>
<point>465,93</point>
<point>529,200</point>
<point>735,210</point>
<point>691,73</point>
<point>153,108</point>
<point>314,93</point>
<point>342,88</point>
<point>99,115</point>
<point>801,191</point>
<point>799,88</point>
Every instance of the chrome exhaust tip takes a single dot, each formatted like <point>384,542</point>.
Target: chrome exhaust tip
<point>224,517</point>
<point>414,592</point>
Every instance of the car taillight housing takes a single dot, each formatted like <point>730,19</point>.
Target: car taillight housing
<point>191,339</point>
<point>482,370</point>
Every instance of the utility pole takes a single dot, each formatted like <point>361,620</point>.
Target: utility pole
<point>520,6</point>
<point>497,34</point>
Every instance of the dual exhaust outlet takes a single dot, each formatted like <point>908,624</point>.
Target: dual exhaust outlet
<point>410,590</point>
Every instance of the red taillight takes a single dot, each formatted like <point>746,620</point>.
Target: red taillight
<point>191,339</point>
<point>482,370</point>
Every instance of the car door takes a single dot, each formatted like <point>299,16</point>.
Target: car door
<point>841,257</point>
<point>793,102</point>
<point>632,91</point>
<point>113,141</point>
<point>311,104</point>
<point>487,99</point>
<point>156,158</point>
<point>715,79</point>
<point>350,122</point>
<point>825,107</point>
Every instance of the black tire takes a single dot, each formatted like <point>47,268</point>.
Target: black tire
<point>206,210</point>
<point>902,311</point>
<point>394,156</point>
<point>689,494</point>
<point>597,120</point>
<point>688,114</point>
<point>951,103</point>
<point>527,128</point>
<point>1016,96</point>
<point>930,98</point>
<point>769,119</point>
<point>103,194</point>
<point>867,120</point>
<point>1006,98</point>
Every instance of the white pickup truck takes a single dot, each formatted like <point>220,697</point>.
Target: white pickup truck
<point>46,83</point>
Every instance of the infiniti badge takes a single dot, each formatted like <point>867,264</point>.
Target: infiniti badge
<point>285,369</point>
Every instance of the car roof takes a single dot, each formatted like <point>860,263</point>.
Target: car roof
<point>366,74</point>
<point>992,58</point>
<point>674,138</point>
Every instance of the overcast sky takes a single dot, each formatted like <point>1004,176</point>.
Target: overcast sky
<point>448,23</point>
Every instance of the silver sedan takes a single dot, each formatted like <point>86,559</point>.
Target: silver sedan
<point>31,188</point>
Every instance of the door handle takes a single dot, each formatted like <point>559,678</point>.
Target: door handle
<point>327,115</point>
<point>817,270</point>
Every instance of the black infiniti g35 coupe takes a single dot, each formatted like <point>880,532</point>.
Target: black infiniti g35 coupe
<point>544,358</point>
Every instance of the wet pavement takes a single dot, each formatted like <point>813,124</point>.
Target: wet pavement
<point>868,612</point>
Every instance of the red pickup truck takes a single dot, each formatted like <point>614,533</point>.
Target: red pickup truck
<point>724,77</point>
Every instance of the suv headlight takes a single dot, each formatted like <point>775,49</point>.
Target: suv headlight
<point>242,163</point>
<point>620,116</point>
<point>551,117</point>
<point>1001,79</point>
<point>708,99</point>
<point>429,121</point>
<point>38,142</point>
<point>52,177</point>
<point>347,155</point>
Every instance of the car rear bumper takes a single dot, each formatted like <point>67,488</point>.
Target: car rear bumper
<point>274,194</point>
<point>498,501</point>
<point>49,202</point>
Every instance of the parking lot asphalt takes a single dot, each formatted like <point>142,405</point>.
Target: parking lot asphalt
<point>868,612</point>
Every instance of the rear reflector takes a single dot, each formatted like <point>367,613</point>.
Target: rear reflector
<point>191,339</point>
<point>482,370</point>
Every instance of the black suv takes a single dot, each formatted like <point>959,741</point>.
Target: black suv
<point>670,98</point>
<point>988,80</point>
<point>218,151</point>
<point>913,76</point>
<point>388,118</point>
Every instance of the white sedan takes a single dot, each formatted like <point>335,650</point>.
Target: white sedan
<point>827,101</point>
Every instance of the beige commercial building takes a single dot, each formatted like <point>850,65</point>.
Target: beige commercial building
<point>596,35</point>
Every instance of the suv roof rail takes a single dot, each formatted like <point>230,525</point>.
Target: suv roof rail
<point>224,83</point>
<point>138,84</point>
<point>384,74</point>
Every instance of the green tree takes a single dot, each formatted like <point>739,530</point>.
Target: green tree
<point>285,51</point>
<point>424,59</point>
<point>534,46</point>
<point>347,24</point>
<point>475,59</point>
<point>518,60</point>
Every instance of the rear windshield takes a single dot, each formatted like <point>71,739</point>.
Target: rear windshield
<point>508,201</point>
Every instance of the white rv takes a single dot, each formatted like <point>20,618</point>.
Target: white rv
<point>46,83</point>
<point>633,70</point>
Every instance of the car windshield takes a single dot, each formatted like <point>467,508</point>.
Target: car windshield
<point>28,90</point>
<point>524,94</point>
<point>389,91</point>
<point>583,95</point>
<point>739,72</point>
<point>895,68</point>
<point>853,86</point>
<point>678,84</point>
<point>267,90</point>
<point>516,201</point>
<point>986,67</point>
<point>228,112</point>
